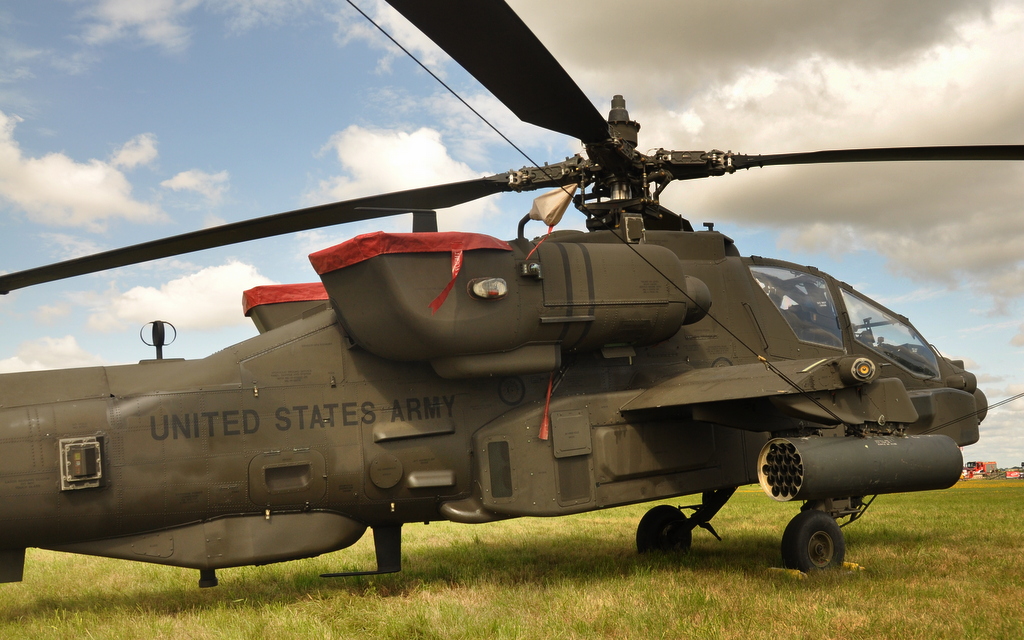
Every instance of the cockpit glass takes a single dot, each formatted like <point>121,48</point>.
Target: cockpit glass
<point>804,301</point>
<point>890,337</point>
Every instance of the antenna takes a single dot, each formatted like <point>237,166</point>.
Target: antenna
<point>158,336</point>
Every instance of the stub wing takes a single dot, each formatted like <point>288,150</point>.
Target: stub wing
<point>759,397</point>
<point>757,380</point>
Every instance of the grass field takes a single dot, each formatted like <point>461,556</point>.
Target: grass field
<point>946,564</point>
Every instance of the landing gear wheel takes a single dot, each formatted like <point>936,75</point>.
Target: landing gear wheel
<point>663,528</point>
<point>813,540</point>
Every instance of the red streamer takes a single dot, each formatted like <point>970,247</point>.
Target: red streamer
<point>456,267</point>
<point>536,246</point>
<point>545,423</point>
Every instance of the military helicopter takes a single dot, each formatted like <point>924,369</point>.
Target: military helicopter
<point>637,361</point>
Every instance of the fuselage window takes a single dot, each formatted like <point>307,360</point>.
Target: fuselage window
<point>804,301</point>
<point>890,337</point>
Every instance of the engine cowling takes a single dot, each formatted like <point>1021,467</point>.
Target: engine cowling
<point>505,312</point>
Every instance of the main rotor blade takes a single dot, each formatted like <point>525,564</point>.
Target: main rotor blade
<point>886,154</point>
<point>494,45</point>
<point>435,197</point>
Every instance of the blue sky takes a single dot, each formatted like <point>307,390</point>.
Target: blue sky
<point>126,120</point>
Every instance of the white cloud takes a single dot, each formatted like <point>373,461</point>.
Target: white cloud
<point>48,313</point>
<point>210,185</point>
<point>688,120</point>
<point>211,220</point>
<point>15,57</point>
<point>472,139</point>
<point>207,299</point>
<point>687,45</point>
<point>1002,432</point>
<point>140,150</point>
<point>246,14</point>
<point>49,353</point>
<point>352,26</point>
<point>469,138</point>
<point>56,190</point>
<point>156,22</point>
<point>68,246</point>
<point>930,221</point>
<point>917,295</point>
<point>380,161</point>
<point>795,79</point>
<point>164,23</point>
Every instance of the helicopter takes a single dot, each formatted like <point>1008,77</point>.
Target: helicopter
<point>639,360</point>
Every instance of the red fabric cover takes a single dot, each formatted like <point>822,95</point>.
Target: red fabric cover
<point>374,244</point>
<point>275,293</point>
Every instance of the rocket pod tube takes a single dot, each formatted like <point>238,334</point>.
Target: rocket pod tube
<point>816,468</point>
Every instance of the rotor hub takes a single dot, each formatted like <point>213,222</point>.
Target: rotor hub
<point>619,124</point>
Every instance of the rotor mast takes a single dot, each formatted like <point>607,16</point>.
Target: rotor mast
<point>626,130</point>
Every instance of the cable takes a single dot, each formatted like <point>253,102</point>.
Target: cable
<point>975,413</point>
<point>534,163</point>
<point>707,312</point>
<point>768,365</point>
<point>445,85</point>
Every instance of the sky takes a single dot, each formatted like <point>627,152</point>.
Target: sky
<point>123,121</point>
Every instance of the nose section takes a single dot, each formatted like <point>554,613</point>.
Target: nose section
<point>980,404</point>
<point>967,381</point>
<point>963,381</point>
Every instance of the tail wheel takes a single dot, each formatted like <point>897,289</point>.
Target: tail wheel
<point>663,528</point>
<point>813,540</point>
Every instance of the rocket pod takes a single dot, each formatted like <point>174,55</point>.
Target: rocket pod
<point>816,468</point>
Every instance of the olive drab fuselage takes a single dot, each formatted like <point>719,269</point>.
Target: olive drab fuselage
<point>291,443</point>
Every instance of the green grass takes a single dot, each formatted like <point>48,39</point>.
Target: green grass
<point>943,564</point>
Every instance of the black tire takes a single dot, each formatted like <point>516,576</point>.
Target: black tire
<point>813,541</point>
<point>663,528</point>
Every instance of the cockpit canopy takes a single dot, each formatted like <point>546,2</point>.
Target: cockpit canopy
<point>884,334</point>
<point>806,302</point>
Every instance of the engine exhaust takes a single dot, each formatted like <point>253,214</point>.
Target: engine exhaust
<point>817,468</point>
